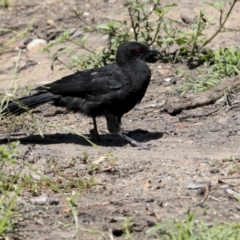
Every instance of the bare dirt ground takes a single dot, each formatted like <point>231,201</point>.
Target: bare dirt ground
<point>149,185</point>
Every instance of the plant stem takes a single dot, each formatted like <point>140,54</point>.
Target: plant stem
<point>220,27</point>
<point>133,24</point>
<point>5,3</point>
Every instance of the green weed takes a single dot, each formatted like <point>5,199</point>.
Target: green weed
<point>148,22</point>
<point>192,230</point>
<point>7,185</point>
<point>16,36</point>
<point>5,3</point>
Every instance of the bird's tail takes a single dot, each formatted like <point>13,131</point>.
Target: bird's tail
<point>19,106</point>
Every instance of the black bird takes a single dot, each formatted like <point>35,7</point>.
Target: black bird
<point>109,91</point>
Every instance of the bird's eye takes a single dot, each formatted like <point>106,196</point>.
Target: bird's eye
<point>139,50</point>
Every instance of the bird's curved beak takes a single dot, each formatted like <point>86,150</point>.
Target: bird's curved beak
<point>153,50</point>
<point>152,55</point>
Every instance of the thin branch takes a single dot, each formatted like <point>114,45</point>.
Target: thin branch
<point>132,23</point>
<point>156,32</point>
<point>197,33</point>
<point>220,27</point>
<point>86,23</point>
<point>82,46</point>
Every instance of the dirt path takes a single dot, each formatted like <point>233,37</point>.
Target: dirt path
<point>149,185</point>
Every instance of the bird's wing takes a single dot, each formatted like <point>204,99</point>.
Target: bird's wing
<point>92,82</point>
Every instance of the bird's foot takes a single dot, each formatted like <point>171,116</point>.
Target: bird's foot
<point>145,147</point>
<point>135,143</point>
<point>141,146</point>
<point>95,135</point>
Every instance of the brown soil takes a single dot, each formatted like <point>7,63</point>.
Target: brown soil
<point>149,185</point>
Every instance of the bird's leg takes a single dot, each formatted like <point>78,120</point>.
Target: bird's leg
<point>94,131</point>
<point>133,142</point>
<point>113,124</point>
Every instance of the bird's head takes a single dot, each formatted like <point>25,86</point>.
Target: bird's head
<point>130,51</point>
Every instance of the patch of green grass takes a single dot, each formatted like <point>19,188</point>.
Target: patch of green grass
<point>9,191</point>
<point>127,228</point>
<point>59,180</point>
<point>14,182</point>
<point>226,62</point>
<point>5,3</point>
<point>222,64</point>
<point>192,230</point>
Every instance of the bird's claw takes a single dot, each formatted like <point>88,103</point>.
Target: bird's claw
<point>141,146</point>
<point>145,147</point>
<point>135,143</point>
<point>95,135</point>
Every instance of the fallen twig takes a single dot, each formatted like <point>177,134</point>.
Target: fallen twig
<point>206,195</point>
<point>198,115</point>
<point>177,104</point>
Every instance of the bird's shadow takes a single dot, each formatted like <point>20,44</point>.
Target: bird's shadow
<point>107,140</point>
